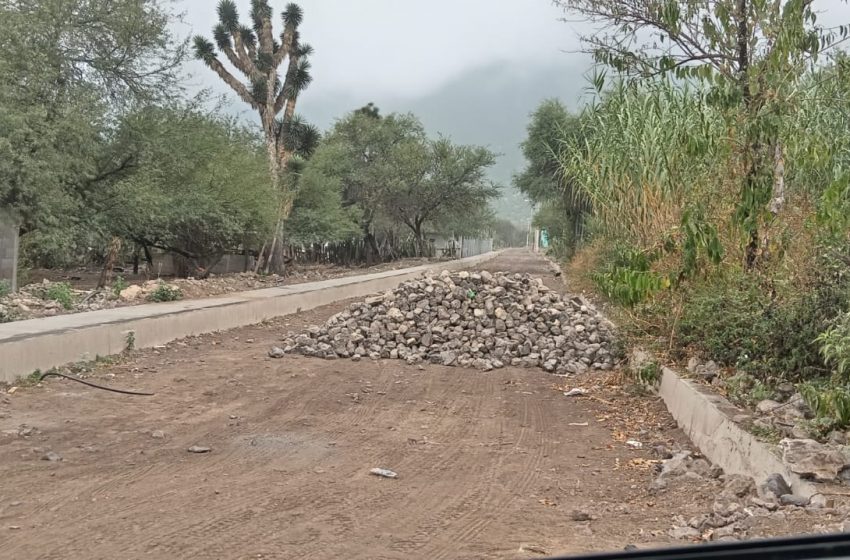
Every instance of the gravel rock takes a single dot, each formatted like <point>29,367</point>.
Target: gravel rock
<point>793,500</point>
<point>131,292</point>
<point>579,515</point>
<point>812,460</point>
<point>684,533</point>
<point>738,486</point>
<point>767,406</point>
<point>678,465</point>
<point>277,352</point>
<point>478,320</point>
<point>774,487</point>
<point>51,456</point>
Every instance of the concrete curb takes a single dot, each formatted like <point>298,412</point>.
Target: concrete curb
<point>706,418</point>
<point>26,346</point>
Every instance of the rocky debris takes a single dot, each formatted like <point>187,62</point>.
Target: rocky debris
<point>31,300</point>
<point>794,500</point>
<point>683,464</point>
<point>766,406</point>
<point>678,465</point>
<point>708,371</point>
<point>813,460</point>
<point>684,533</point>
<point>774,487</point>
<point>158,434</point>
<point>580,515</point>
<point>728,519</point>
<point>51,456</point>
<point>638,360</point>
<point>276,352</point>
<point>480,320</point>
<point>738,486</point>
<point>784,416</point>
<point>35,300</point>
<point>130,292</point>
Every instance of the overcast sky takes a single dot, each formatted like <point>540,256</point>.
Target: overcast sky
<point>374,48</point>
<point>470,69</point>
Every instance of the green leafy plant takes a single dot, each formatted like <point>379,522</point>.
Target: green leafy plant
<point>768,434</point>
<point>61,293</point>
<point>830,403</point>
<point>130,341</point>
<point>628,279</point>
<point>835,345</point>
<point>119,285</point>
<point>5,288</point>
<point>164,292</point>
<point>649,374</point>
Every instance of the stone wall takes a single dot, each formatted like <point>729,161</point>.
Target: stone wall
<point>9,252</point>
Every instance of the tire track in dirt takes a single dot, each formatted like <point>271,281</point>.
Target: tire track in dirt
<point>484,453</point>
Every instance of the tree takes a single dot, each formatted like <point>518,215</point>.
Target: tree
<point>544,181</point>
<point>389,169</point>
<point>201,187</point>
<point>318,214</point>
<point>437,180</point>
<point>259,56</point>
<point>69,70</point>
<point>361,153</point>
<point>750,51</point>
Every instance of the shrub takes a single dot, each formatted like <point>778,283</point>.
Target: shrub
<point>119,285</point>
<point>835,345</point>
<point>60,292</point>
<point>740,322</point>
<point>830,402</point>
<point>5,288</point>
<point>164,292</point>
<point>723,317</point>
<point>627,277</point>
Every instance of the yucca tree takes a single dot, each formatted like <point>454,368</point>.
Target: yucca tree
<point>261,58</point>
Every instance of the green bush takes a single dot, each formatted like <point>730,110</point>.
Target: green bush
<point>740,322</point>
<point>119,285</point>
<point>830,402</point>
<point>627,277</point>
<point>60,292</point>
<point>164,292</point>
<point>5,288</point>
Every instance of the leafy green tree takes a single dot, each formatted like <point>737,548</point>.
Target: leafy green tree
<point>552,130</point>
<point>201,187</point>
<point>361,154</point>
<point>318,215</point>
<point>389,169</point>
<point>68,70</point>
<point>438,180</point>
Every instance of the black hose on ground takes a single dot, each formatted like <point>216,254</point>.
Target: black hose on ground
<point>95,385</point>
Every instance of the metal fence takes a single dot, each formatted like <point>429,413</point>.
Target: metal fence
<point>473,247</point>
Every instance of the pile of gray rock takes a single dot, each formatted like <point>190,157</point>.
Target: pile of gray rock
<point>479,320</point>
<point>739,501</point>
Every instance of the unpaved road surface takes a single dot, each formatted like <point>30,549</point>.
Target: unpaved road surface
<point>491,465</point>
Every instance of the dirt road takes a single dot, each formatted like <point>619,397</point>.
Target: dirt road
<point>491,465</point>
